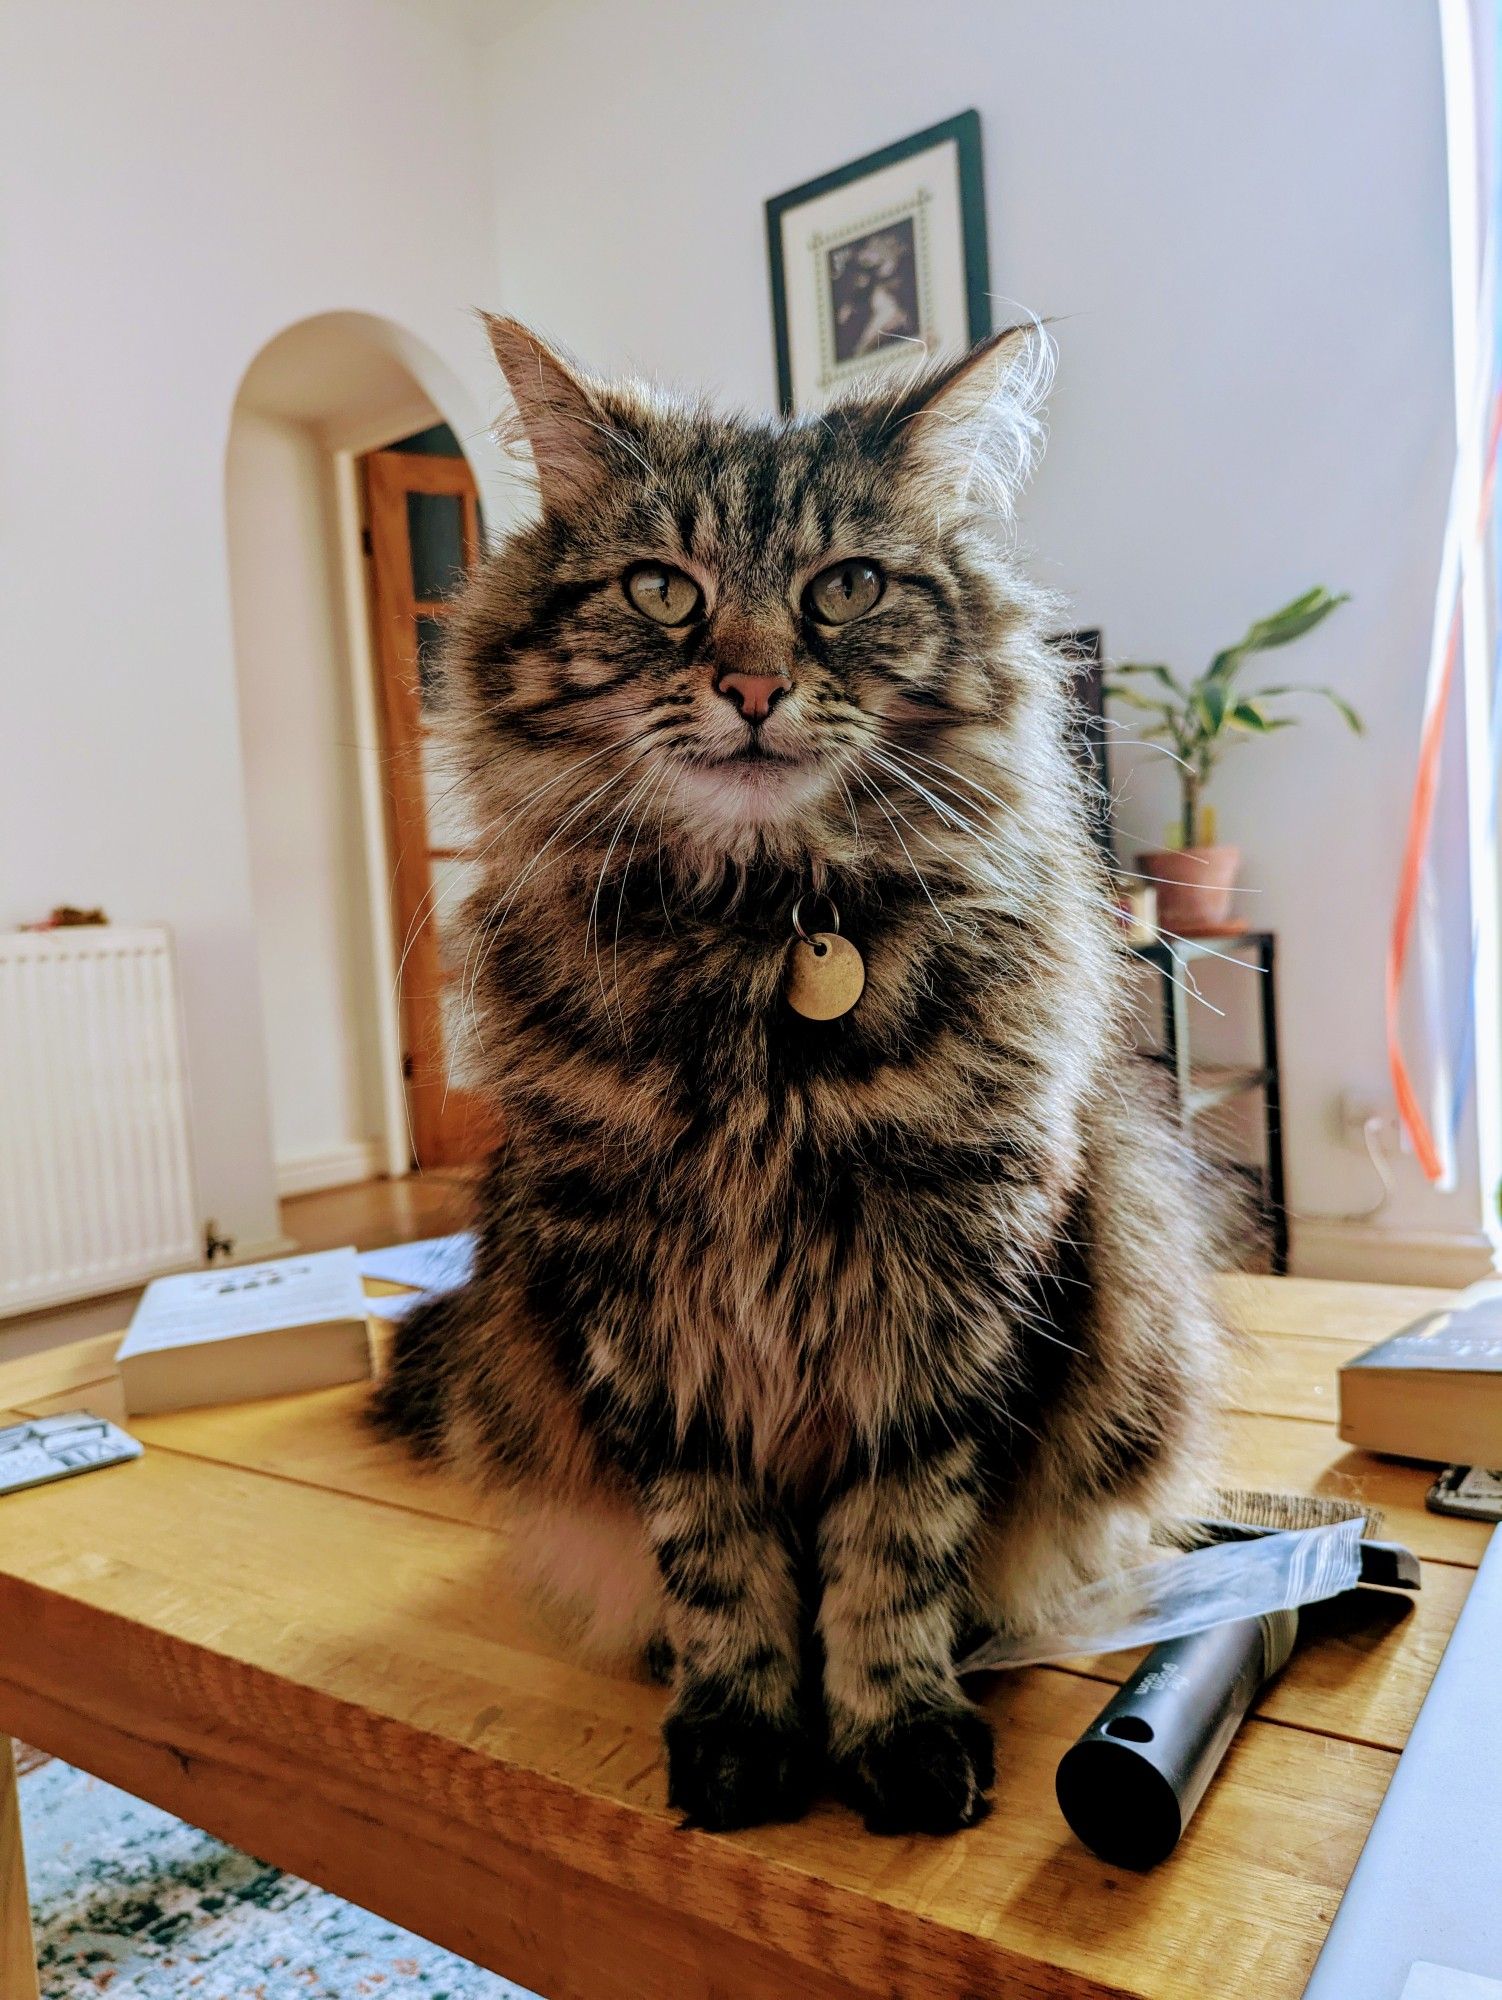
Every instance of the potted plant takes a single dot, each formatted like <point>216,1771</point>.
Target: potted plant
<point>1199,720</point>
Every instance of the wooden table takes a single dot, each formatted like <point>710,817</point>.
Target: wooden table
<point>275,1627</point>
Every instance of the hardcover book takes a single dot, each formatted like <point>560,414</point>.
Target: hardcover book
<point>1433,1391</point>
<point>225,1335</point>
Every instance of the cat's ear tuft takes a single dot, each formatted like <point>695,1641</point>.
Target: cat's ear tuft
<point>557,414</point>
<point>972,429</point>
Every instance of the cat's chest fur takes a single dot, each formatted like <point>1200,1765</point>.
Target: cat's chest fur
<point>799,1225</point>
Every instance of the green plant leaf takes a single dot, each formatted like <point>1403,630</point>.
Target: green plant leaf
<point>1247,715</point>
<point>1337,701</point>
<point>1225,665</point>
<point>1210,700</point>
<point>1279,628</point>
<point>1156,668</point>
<point>1134,698</point>
<point>1290,624</point>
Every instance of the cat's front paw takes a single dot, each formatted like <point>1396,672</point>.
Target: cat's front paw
<point>728,1767</point>
<point>924,1772</point>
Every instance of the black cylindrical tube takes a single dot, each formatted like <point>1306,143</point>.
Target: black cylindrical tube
<point>1130,1785</point>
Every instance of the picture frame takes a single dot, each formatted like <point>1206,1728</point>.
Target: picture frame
<point>877,259</point>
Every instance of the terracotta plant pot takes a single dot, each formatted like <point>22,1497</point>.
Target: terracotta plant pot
<point>1194,886</point>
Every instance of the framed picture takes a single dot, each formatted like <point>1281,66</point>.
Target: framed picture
<point>878,260</point>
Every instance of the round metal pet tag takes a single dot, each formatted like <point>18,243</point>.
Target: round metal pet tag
<point>826,975</point>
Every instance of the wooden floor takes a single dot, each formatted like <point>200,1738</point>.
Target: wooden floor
<point>378,1212</point>
<point>367,1215</point>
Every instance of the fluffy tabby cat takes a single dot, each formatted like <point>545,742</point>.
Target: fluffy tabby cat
<point>807,1346</point>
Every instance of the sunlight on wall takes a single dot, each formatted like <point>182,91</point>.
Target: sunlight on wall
<point>320,392</point>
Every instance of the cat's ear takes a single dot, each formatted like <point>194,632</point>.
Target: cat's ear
<point>970,430</point>
<point>556,411</point>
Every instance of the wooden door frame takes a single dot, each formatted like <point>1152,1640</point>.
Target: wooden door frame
<point>359,625</point>
<point>419,970</point>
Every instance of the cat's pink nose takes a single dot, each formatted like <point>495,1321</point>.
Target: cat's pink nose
<point>755,693</point>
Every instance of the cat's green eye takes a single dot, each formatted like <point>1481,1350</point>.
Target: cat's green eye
<point>844,591</point>
<point>663,594</point>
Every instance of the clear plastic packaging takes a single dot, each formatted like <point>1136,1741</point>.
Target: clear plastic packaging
<point>1187,1593</point>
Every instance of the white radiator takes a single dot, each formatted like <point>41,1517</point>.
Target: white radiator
<point>96,1173</point>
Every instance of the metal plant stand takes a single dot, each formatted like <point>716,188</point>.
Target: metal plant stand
<point>1200,1088</point>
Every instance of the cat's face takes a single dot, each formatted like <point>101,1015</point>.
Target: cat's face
<point>745,626</point>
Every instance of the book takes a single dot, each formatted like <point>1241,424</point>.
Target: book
<point>434,1264</point>
<point>228,1334</point>
<point>1433,1391</point>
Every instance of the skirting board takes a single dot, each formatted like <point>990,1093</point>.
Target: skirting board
<point>260,1251</point>
<point>1388,1256</point>
<point>340,1166</point>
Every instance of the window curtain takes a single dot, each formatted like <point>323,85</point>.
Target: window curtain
<point>1444,998</point>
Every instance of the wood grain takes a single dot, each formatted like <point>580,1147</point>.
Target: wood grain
<point>320,1440</point>
<point>1292,1455</point>
<point>1358,1686</point>
<point>80,1377</point>
<point>411,1622</point>
<point>1351,1315</point>
<point>1290,1375</point>
<point>453,1801</point>
<point>276,1626</point>
<point>18,1966</point>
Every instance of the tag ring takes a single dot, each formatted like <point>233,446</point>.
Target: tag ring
<point>818,897</point>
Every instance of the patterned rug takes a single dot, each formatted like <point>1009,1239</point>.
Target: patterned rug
<point>131,1902</point>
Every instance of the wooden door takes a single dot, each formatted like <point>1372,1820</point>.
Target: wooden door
<point>423,534</point>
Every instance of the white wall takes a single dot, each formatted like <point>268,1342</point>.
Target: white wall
<point>178,182</point>
<point>1238,211</point>
<point>307,857</point>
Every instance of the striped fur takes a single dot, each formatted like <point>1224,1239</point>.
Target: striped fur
<point>830,1339</point>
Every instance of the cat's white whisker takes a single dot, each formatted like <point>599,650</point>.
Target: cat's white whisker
<point>496,918</point>
<point>886,812</point>
<point>591,923</point>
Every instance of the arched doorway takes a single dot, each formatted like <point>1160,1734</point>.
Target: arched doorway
<point>349,887</point>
